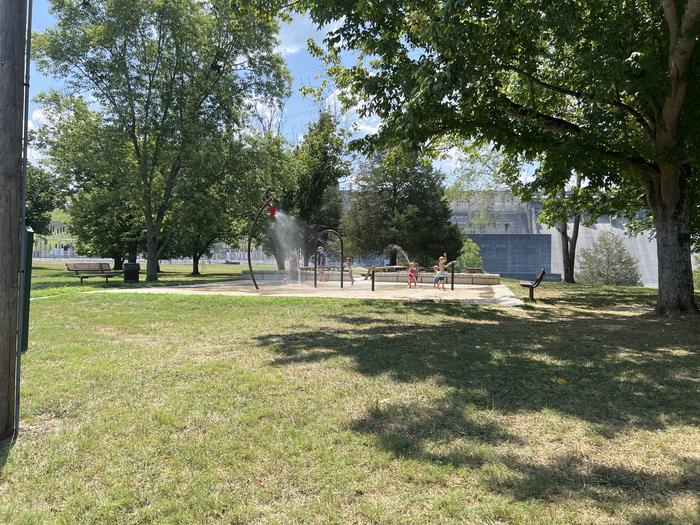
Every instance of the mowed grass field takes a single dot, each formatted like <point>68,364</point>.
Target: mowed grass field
<point>51,278</point>
<point>582,408</point>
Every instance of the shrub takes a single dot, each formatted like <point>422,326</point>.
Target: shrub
<point>607,261</point>
<point>469,257</point>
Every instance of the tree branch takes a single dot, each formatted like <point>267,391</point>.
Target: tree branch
<point>556,125</point>
<point>581,95</point>
<point>679,54</point>
<point>671,16</point>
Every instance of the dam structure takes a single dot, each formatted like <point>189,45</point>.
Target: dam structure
<point>515,244</point>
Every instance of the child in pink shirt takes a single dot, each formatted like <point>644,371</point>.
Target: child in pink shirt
<point>412,275</point>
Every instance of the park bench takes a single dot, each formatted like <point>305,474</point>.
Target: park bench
<point>85,270</point>
<point>531,285</point>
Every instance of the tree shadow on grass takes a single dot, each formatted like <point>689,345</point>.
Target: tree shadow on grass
<point>117,282</point>
<point>615,372</point>
<point>436,431</point>
<point>567,474</point>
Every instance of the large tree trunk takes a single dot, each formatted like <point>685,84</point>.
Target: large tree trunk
<point>565,256</point>
<point>669,201</point>
<point>195,264</point>
<point>151,256</point>
<point>12,46</point>
<point>568,248</point>
<point>118,263</point>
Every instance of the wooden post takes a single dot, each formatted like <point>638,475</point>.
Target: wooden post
<point>372,279</point>
<point>452,276</point>
<point>13,21</point>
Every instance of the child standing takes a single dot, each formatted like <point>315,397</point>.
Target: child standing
<point>349,267</point>
<point>321,263</point>
<point>412,275</point>
<point>440,275</point>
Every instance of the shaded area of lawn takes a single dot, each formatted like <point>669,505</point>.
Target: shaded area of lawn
<point>581,408</point>
<point>613,372</point>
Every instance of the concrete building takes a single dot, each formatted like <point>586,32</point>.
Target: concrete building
<point>514,244</point>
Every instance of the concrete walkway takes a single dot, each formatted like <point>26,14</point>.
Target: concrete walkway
<point>499,295</point>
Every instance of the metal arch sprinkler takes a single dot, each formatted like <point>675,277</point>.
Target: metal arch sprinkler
<point>342,255</point>
<point>273,211</point>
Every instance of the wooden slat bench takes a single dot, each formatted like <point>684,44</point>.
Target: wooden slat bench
<point>531,285</point>
<point>85,270</point>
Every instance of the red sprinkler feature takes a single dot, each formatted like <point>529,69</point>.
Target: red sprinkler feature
<point>273,210</point>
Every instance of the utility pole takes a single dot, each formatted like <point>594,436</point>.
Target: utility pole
<point>13,24</point>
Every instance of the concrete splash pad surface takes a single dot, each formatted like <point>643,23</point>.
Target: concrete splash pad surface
<point>499,295</point>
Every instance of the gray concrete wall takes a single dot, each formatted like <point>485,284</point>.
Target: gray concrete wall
<point>641,247</point>
<point>518,256</point>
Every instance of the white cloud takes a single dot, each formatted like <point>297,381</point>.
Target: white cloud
<point>449,161</point>
<point>37,119</point>
<point>367,126</point>
<point>34,155</point>
<point>293,36</point>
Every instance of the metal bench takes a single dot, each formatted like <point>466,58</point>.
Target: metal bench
<point>85,270</point>
<point>531,285</point>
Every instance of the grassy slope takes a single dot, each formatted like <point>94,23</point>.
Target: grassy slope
<point>184,409</point>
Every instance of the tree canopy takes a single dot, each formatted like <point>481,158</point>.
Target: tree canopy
<point>43,196</point>
<point>399,199</point>
<point>611,88</point>
<point>165,74</point>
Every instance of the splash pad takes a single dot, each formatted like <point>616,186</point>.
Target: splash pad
<point>296,280</point>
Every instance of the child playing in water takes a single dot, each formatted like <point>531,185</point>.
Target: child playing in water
<point>412,275</point>
<point>348,265</point>
<point>321,263</point>
<point>440,275</point>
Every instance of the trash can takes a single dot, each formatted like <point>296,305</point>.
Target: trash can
<point>131,272</point>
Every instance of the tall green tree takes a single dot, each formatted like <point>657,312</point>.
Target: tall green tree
<point>610,84</point>
<point>321,165</point>
<point>93,164</point>
<point>269,169</point>
<point>44,195</point>
<point>470,257</point>
<point>205,210</point>
<point>306,185</point>
<point>399,199</point>
<point>105,223</point>
<point>165,72</point>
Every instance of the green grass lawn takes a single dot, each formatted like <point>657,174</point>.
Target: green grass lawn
<point>51,278</point>
<point>582,408</point>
